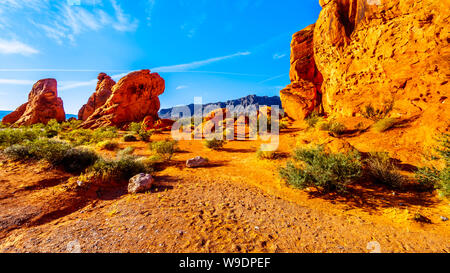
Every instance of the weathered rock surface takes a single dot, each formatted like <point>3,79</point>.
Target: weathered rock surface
<point>133,98</point>
<point>102,93</point>
<point>43,105</point>
<point>196,162</point>
<point>383,52</point>
<point>140,183</point>
<point>303,95</point>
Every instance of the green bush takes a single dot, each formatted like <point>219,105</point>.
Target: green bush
<point>118,170</point>
<point>313,120</point>
<point>78,136</point>
<point>433,178</point>
<point>214,144</point>
<point>109,145</point>
<point>165,148</point>
<point>384,124</point>
<point>135,127</point>
<point>71,124</point>
<point>126,152</point>
<point>104,133</point>
<point>52,129</point>
<point>383,171</point>
<point>269,155</point>
<point>129,138</point>
<point>327,172</point>
<point>145,135</point>
<point>13,136</point>
<point>57,153</point>
<point>332,126</point>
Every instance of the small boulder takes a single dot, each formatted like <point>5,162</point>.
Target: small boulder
<point>196,162</point>
<point>140,183</point>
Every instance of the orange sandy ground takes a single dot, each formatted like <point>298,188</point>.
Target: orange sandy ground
<point>237,204</point>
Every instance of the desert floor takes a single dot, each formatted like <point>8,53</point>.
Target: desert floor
<point>237,204</point>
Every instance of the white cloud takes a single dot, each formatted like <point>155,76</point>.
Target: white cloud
<point>16,82</point>
<point>180,87</point>
<point>272,78</point>
<point>123,23</point>
<point>196,64</point>
<point>16,47</point>
<point>278,56</point>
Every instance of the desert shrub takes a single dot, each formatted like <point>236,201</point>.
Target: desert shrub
<point>2,125</point>
<point>283,125</point>
<point>56,153</point>
<point>79,136</point>
<point>145,135</point>
<point>135,127</point>
<point>327,172</point>
<point>332,126</point>
<point>384,124</point>
<point>13,136</point>
<point>18,152</point>
<point>71,124</point>
<point>266,154</point>
<point>129,138</point>
<point>214,144</point>
<point>382,171</point>
<point>376,114</point>
<point>109,145</point>
<point>434,178</point>
<point>313,120</point>
<point>126,152</point>
<point>165,148</point>
<point>121,169</point>
<point>52,129</point>
<point>104,133</point>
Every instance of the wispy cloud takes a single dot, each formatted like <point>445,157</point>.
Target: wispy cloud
<point>196,64</point>
<point>278,56</point>
<point>272,78</point>
<point>16,47</point>
<point>69,21</point>
<point>172,68</point>
<point>180,87</point>
<point>16,82</point>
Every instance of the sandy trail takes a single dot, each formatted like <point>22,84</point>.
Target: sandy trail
<point>238,204</point>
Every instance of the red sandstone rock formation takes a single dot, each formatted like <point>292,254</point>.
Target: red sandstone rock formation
<point>43,105</point>
<point>133,98</point>
<point>99,98</point>
<point>303,95</point>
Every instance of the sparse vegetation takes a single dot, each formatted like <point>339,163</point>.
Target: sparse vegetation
<point>376,114</point>
<point>384,124</point>
<point>109,145</point>
<point>327,172</point>
<point>313,120</point>
<point>269,155</point>
<point>214,144</point>
<point>434,178</point>
<point>332,126</point>
<point>12,136</point>
<point>126,152</point>
<point>121,169</point>
<point>57,153</point>
<point>135,127</point>
<point>382,171</point>
<point>165,148</point>
<point>145,135</point>
<point>86,136</point>
<point>129,138</point>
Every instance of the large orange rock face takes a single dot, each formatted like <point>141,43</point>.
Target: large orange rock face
<point>384,52</point>
<point>102,93</point>
<point>133,98</point>
<point>303,95</point>
<point>43,105</point>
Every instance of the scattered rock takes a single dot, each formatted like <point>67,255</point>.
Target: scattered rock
<point>196,162</point>
<point>444,219</point>
<point>43,105</point>
<point>140,183</point>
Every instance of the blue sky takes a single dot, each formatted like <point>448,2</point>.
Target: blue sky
<point>216,49</point>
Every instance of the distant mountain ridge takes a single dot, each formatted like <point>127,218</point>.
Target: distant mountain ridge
<point>245,101</point>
